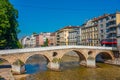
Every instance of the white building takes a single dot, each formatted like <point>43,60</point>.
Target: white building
<point>28,41</point>
<point>118,37</point>
<point>74,36</point>
<point>25,41</point>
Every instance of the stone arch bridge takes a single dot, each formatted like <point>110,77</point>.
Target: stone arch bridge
<point>87,54</point>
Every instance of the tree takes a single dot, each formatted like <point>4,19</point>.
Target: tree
<point>46,42</point>
<point>8,26</point>
<point>34,33</point>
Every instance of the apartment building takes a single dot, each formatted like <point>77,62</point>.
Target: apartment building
<point>42,37</point>
<point>62,35</point>
<point>74,36</point>
<point>52,39</point>
<point>118,37</point>
<point>89,33</point>
<point>33,40</point>
<point>29,41</point>
<point>101,31</point>
<point>108,29</point>
<point>25,41</point>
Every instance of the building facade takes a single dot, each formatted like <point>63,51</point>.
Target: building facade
<point>62,35</point>
<point>118,37</point>
<point>101,31</point>
<point>108,29</point>
<point>42,37</point>
<point>28,41</point>
<point>25,41</point>
<point>33,40</point>
<point>52,39</point>
<point>74,36</point>
<point>89,33</point>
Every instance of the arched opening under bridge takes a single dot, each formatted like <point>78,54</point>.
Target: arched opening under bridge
<point>36,63</point>
<point>5,68</point>
<point>104,57</point>
<point>72,59</point>
<point>4,63</point>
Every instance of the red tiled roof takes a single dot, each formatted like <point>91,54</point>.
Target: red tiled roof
<point>101,17</point>
<point>69,27</point>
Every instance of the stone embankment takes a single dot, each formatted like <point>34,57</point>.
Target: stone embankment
<point>6,74</point>
<point>116,61</point>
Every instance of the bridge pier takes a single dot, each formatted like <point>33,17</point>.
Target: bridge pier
<point>91,62</point>
<point>83,63</point>
<point>54,65</point>
<point>18,69</point>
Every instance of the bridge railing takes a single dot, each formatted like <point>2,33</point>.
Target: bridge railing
<point>11,51</point>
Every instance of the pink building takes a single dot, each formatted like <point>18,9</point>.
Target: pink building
<point>41,38</point>
<point>52,40</point>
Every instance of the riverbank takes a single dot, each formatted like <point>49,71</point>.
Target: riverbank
<point>6,74</point>
<point>18,77</point>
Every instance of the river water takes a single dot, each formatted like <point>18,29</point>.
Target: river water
<point>73,72</point>
<point>70,70</point>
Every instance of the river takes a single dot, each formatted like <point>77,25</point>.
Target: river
<point>73,72</point>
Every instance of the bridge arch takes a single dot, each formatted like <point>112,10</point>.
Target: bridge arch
<point>78,58</point>
<point>37,55</point>
<point>4,63</point>
<point>104,55</point>
<point>81,55</point>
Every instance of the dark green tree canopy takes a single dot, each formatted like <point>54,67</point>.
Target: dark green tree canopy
<point>8,26</point>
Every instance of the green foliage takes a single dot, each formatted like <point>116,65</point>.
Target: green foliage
<point>18,63</point>
<point>1,62</point>
<point>45,43</point>
<point>91,58</point>
<point>55,60</point>
<point>34,33</point>
<point>8,26</point>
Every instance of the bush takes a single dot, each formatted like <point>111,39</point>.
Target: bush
<point>55,60</point>
<point>91,58</point>
<point>18,62</point>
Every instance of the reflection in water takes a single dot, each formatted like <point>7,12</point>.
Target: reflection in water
<point>78,72</point>
<point>103,72</point>
<point>35,68</point>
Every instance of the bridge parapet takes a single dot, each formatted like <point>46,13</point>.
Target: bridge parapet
<point>12,51</point>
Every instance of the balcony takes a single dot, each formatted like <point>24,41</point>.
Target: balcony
<point>112,37</point>
<point>111,31</point>
<point>111,26</point>
<point>113,19</point>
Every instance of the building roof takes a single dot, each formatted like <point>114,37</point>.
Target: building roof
<point>68,27</point>
<point>101,17</point>
<point>52,34</point>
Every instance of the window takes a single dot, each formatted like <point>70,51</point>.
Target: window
<point>101,25</point>
<point>101,20</point>
<point>107,18</point>
<point>112,16</point>
<point>102,36</point>
<point>101,31</point>
<point>107,30</point>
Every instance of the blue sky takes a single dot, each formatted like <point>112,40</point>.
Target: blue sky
<point>51,15</point>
